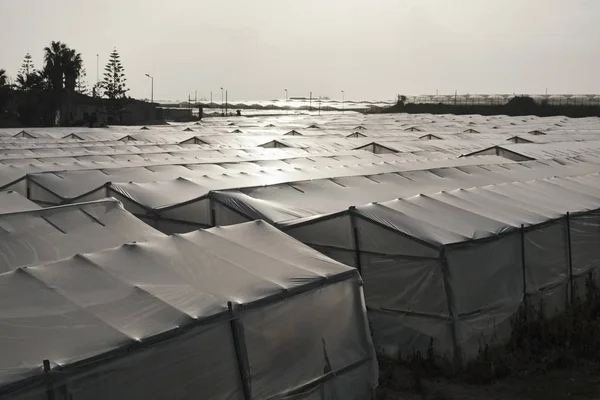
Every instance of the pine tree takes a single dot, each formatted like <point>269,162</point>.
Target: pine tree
<point>81,85</point>
<point>97,90</point>
<point>27,67</point>
<point>113,83</point>
<point>27,77</point>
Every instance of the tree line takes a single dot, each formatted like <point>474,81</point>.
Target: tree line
<point>37,96</point>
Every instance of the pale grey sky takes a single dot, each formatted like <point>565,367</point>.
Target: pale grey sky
<point>372,49</point>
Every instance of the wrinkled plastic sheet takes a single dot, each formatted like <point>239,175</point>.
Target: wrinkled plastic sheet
<point>546,256</point>
<point>333,232</point>
<point>400,284</point>
<point>199,364</point>
<point>491,327</point>
<point>585,242</point>
<point>483,274</point>
<point>381,240</point>
<point>85,306</point>
<point>398,335</point>
<point>295,341</point>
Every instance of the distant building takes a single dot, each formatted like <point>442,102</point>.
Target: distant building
<point>80,109</point>
<point>175,113</point>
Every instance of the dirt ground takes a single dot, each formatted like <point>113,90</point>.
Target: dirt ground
<point>577,384</point>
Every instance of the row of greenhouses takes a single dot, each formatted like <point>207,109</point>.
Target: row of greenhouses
<point>273,257</point>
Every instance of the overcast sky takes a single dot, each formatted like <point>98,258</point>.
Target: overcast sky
<point>372,49</point>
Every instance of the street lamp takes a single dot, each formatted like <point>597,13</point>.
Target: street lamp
<point>152,90</point>
<point>286,94</point>
<point>222,100</point>
<point>343,99</point>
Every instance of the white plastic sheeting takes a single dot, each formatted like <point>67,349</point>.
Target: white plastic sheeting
<point>60,187</point>
<point>211,201</point>
<point>241,312</point>
<point>13,172</point>
<point>451,265</point>
<point>590,150</point>
<point>14,202</point>
<point>455,266</point>
<point>40,236</point>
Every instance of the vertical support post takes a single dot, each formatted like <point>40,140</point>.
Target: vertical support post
<point>48,378</point>
<point>226,103</point>
<point>523,263</point>
<point>239,352</point>
<point>571,286</point>
<point>451,310</point>
<point>354,227</point>
<point>213,214</point>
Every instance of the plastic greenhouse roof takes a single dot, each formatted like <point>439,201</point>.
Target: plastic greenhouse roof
<point>463,215</point>
<point>156,195</point>
<point>320,197</point>
<point>11,202</point>
<point>542,151</point>
<point>70,184</point>
<point>90,304</point>
<point>50,234</point>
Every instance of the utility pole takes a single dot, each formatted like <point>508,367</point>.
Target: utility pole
<point>152,88</point>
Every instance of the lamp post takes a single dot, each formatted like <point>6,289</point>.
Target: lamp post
<point>343,100</point>
<point>152,89</point>
<point>222,109</point>
<point>286,95</point>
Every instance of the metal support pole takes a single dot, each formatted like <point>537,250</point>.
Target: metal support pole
<point>571,286</point>
<point>454,319</point>
<point>49,385</point>
<point>240,353</point>
<point>523,263</point>
<point>357,261</point>
<point>213,213</point>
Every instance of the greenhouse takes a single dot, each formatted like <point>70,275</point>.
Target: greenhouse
<point>452,223</point>
<point>241,312</point>
<point>453,265</point>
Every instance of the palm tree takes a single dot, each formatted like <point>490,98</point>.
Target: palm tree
<point>72,65</point>
<point>4,90</point>
<point>53,57</point>
<point>35,80</point>
<point>3,78</point>
<point>62,68</point>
